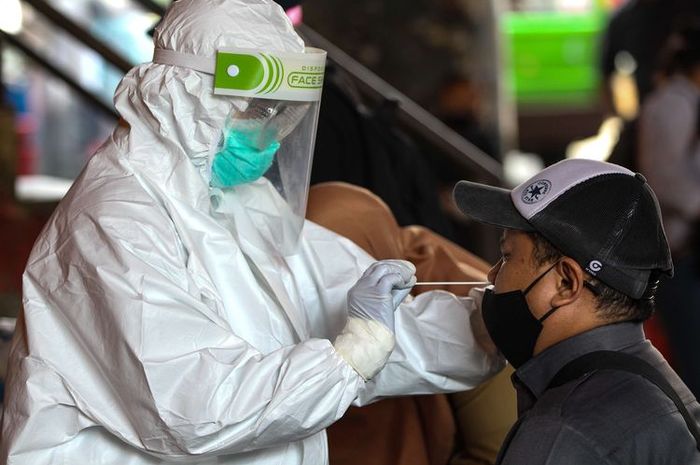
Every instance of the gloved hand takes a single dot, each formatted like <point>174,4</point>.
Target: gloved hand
<point>368,337</point>
<point>380,290</point>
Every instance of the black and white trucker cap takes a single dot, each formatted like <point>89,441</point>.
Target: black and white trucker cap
<point>602,215</point>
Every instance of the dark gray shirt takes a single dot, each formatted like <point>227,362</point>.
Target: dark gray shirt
<point>609,417</point>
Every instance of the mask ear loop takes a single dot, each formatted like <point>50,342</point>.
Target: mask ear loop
<point>532,284</point>
<point>548,314</point>
<point>553,309</point>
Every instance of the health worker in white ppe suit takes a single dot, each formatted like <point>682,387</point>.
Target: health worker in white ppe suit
<point>178,308</point>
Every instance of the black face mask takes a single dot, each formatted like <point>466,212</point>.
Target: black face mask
<point>510,322</point>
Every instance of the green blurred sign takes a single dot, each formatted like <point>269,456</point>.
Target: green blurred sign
<point>553,57</point>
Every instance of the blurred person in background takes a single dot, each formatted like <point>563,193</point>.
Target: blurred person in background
<point>634,38</point>
<point>669,156</point>
<point>631,50</point>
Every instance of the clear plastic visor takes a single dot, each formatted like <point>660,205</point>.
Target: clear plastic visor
<point>286,131</point>
<point>271,208</point>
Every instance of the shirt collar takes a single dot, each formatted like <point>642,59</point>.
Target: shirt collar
<point>538,372</point>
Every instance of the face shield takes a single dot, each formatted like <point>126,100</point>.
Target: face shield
<point>260,167</point>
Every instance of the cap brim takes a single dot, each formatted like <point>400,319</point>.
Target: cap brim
<point>490,205</point>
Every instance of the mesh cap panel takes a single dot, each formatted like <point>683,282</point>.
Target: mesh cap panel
<point>610,224</point>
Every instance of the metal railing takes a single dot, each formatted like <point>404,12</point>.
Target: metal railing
<point>62,21</point>
<point>69,81</point>
<point>151,6</point>
<point>437,133</point>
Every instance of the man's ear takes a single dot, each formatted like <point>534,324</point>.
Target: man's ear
<point>570,278</point>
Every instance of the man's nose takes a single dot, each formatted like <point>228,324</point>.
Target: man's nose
<point>493,272</point>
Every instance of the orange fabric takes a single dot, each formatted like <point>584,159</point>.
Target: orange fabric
<point>484,416</point>
<point>438,259</point>
<point>416,430</point>
<point>357,214</point>
<point>364,218</point>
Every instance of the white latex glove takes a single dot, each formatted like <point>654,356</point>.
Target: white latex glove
<point>368,337</point>
<point>380,290</point>
<point>476,319</point>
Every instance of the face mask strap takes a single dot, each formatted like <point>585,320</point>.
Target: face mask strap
<point>538,279</point>
<point>548,314</point>
<point>553,309</point>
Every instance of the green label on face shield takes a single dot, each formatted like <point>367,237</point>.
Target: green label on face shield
<point>238,71</point>
<point>277,76</point>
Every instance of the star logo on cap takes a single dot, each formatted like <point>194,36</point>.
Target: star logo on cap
<point>536,191</point>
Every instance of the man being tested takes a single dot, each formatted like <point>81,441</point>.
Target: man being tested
<point>582,253</point>
<point>178,308</point>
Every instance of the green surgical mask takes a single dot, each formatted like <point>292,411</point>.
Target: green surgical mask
<point>241,160</point>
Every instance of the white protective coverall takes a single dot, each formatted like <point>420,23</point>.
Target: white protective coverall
<point>153,332</point>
